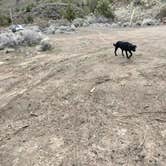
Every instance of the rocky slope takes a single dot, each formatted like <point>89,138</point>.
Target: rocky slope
<point>124,11</point>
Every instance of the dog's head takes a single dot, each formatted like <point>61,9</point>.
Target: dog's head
<point>133,48</point>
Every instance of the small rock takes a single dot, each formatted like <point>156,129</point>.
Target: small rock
<point>65,29</point>
<point>9,50</point>
<point>146,106</point>
<point>126,24</point>
<point>115,25</point>
<point>78,22</point>
<point>137,24</point>
<point>73,27</point>
<point>33,114</point>
<point>149,22</point>
<point>50,30</point>
<point>102,19</point>
<point>91,19</point>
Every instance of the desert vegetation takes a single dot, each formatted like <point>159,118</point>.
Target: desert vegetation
<point>66,99</point>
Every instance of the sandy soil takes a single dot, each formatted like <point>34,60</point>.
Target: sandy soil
<point>79,105</point>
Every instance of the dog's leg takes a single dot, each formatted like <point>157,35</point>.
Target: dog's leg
<point>122,52</point>
<point>116,48</point>
<point>127,55</point>
<point>130,54</point>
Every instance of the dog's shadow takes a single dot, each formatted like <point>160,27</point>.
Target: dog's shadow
<point>127,62</point>
<point>133,60</point>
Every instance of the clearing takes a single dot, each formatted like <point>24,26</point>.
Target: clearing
<point>79,105</point>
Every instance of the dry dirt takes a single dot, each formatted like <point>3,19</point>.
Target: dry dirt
<point>79,105</point>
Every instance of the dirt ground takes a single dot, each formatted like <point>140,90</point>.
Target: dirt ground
<point>79,105</point>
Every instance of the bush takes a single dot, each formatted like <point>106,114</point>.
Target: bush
<point>138,3</point>
<point>25,37</point>
<point>69,14</point>
<point>5,20</point>
<point>17,9</point>
<point>104,8</point>
<point>7,40</point>
<point>29,7</point>
<point>28,20</point>
<point>92,5</point>
<point>29,37</point>
<point>162,12</point>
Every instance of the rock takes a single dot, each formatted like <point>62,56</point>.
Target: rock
<point>149,22</point>
<point>102,19</point>
<point>45,45</point>
<point>73,27</point>
<point>65,29</point>
<point>58,23</point>
<point>9,50</point>
<point>91,19</point>
<point>115,25</point>
<point>78,22</point>
<point>86,24</point>
<point>137,24</point>
<point>126,24</point>
<point>50,30</point>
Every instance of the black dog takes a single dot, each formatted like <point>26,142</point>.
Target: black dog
<point>125,46</point>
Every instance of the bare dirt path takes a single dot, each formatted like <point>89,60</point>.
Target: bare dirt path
<point>80,105</point>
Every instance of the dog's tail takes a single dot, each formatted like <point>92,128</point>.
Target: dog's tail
<point>114,44</point>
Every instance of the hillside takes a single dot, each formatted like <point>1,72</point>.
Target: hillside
<point>28,11</point>
<point>66,99</point>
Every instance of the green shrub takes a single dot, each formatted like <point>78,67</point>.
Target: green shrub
<point>69,13</point>
<point>17,9</point>
<point>86,10</point>
<point>29,7</point>
<point>28,20</point>
<point>104,8</point>
<point>138,3</point>
<point>92,5</point>
<point>5,20</point>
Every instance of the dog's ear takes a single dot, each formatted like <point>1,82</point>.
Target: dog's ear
<point>114,44</point>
